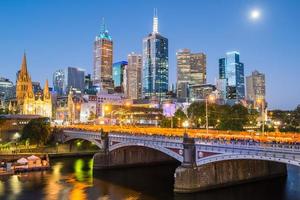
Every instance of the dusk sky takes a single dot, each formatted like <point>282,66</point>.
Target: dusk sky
<point>57,34</point>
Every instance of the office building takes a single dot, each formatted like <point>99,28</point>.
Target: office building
<point>155,64</point>
<point>256,88</point>
<point>231,70</point>
<point>118,76</point>
<point>103,58</point>
<point>134,76</point>
<point>191,70</point>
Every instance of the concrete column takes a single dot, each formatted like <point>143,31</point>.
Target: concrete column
<point>189,156</point>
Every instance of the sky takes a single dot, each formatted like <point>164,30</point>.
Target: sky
<point>56,34</point>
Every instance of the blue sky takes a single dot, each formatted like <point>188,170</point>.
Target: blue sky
<point>57,34</point>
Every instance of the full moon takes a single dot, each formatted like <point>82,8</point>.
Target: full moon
<point>255,14</point>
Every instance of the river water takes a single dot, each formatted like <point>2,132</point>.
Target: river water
<point>73,178</point>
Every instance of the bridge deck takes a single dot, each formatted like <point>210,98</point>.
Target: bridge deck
<point>226,136</point>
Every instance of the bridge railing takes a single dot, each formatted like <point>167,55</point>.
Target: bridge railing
<point>251,145</point>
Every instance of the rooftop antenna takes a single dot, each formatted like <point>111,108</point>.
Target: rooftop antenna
<point>155,21</point>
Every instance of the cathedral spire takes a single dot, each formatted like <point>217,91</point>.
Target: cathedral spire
<point>155,21</point>
<point>46,90</point>
<point>24,65</point>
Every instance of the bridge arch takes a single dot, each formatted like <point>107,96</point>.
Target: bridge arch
<point>227,157</point>
<point>94,141</point>
<point>161,149</point>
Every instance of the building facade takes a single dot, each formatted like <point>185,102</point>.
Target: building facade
<point>103,58</point>
<point>7,91</point>
<point>231,70</point>
<point>256,88</point>
<point>28,102</point>
<point>191,70</point>
<point>59,82</point>
<point>155,64</point>
<point>134,76</point>
<point>118,76</point>
<point>69,78</point>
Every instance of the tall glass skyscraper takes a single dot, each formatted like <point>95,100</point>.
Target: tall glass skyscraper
<point>118,75</point>
<point>103,57</point>
<point>155,63</point>
<point>65,79</point>
<point>232,70</point>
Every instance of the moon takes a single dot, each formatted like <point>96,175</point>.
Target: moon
<point>255,14</point>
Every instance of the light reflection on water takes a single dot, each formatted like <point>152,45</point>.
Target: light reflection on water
<point>73,178</point>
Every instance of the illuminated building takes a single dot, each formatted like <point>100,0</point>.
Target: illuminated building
<point>191,70</point>
<point>134,76</point>
<point>118,76</point>
<point>28,102</point>
<point>155,64</point>
<point>256,89</point>
<point>103,57</point>
<point>7,91</point>
<point>232,71</point>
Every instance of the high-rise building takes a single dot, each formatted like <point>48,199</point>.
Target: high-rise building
<point>155,64</point>
<point>103,58</point>
<point>183,72</point>
<point>74,79</point>
<point>7,91</point>
<point>59,82</point>
<point>118,75</point>
<point>65,79</point>
<point>256,89</point>
<point>191,70</point>
<point>231,70</point>
<point>134,76</point>
<point>198,68</point>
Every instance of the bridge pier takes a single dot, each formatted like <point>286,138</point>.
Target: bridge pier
<point>192,178</point>
<point>130,156</point>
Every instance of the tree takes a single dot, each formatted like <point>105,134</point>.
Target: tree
<point>37,131</point>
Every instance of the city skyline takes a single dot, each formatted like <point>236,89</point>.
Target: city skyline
<point>253,53</point>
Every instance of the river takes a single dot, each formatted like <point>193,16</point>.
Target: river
<point>73,178</point>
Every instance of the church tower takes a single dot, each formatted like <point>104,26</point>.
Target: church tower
<point>24,85</point>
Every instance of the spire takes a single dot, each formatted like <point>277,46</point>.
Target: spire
<point>104,32</point>
<point>24,65</point>
<point>103,26</point>
<point>155,21</point>
<point>46,90</point>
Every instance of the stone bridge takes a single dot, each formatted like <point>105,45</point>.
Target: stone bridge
<point>205,164</point>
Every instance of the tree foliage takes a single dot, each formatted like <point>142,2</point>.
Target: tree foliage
<point>37,131</point>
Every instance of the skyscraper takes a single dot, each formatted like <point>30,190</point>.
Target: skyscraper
<point>183,72</point>
<point>155,63</point>
<point>232,71</point>
<point>256,89</point>
<point>74,79</point>
<point>65,79</point>
<point>134,76</point>
<point>59,82</point>
<point>103,57</point>
<point>191,70</point>
<point>118,76</point>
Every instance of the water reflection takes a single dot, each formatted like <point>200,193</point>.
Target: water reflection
<point>73,178</point>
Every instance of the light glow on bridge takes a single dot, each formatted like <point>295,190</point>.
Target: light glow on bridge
<point>195,133</point>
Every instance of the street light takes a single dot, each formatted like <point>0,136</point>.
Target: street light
<point>185,124</point>
<point>209,98</point>
<point>261,102</point>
